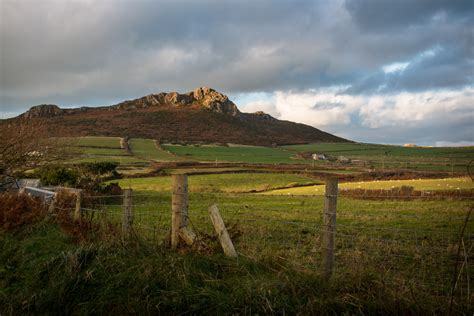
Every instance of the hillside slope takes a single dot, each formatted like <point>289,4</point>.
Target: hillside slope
<point>203,115</point>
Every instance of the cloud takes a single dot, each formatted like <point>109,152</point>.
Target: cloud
<point>438,115</point>
<point>454,144</point>
<point>380,15</point>
<point>84,52</point>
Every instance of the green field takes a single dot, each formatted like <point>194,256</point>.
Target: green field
<point>147,149</point>
<point>391,257</point>
<point>99,149</point>
<point>383,157</point>
<point>230,183</point>
<point>245,154</point>
<point>364,156</point>
<point>418,184</point>
<point>361,149</point>
<point>94,141</point>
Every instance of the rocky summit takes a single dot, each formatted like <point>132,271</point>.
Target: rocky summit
<point>43,110</point>
<point>203,96</point>
<point>203,115</point>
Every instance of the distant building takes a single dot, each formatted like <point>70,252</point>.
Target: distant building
<point>410,145</point>
<point>319,157</point>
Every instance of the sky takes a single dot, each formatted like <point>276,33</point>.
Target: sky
<point>378,71</point>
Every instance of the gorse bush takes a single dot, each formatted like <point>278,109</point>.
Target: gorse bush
<point>57,175</point>
<point>99,168</point>
<point>84,175</point>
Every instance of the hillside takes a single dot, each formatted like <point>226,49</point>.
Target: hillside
<point>203,115</point>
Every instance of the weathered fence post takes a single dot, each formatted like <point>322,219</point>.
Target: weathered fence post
<point>127,218</point>
<point>179,206</point>
<point>329,226</point>
<point>78,211</point>
<point>52,205</point>
<point>221,231</point>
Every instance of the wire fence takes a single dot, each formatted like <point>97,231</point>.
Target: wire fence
<point>421,244</point>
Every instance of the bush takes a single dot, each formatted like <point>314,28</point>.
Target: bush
<point>58,175</point>
<point>18,210</point>
<point>86,175</point>
<point>99,168</point>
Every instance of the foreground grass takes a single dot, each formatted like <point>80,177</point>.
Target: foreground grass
<point>418,184</point>
<point>391,258</point>
<point>44,272</point>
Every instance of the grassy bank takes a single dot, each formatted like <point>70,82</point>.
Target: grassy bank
<point>45,271</point>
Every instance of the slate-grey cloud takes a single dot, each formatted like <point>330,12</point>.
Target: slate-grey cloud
<point>86,52</point>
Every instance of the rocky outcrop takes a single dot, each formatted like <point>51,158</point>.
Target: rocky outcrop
<point>262,116</point>
<point>203,96</point>
<point>43,110</point>
<point>215,101</point>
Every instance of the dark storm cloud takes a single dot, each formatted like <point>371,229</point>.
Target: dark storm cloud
<point>383,15</point>
<point>78,48</point>
<point>437,68</point>
<point>86,52</point>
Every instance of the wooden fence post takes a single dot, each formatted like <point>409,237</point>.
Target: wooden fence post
<point>221,231</point>
<point>78,211</point>
<point>329,226</point>
<point>127,218</point>
<point>179,206</point>
<point>52,205</point>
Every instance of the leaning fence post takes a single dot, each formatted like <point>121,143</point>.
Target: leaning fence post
<point>329,226</point>
<point>221,231</point>
<point>78,211</point>
<point>179,206</point>
<point>127,218</point>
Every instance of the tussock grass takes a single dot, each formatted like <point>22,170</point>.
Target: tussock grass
<point>45,273</point>
<point>392,257</point>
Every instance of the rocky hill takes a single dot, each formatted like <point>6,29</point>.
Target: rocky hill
<point>202,115</point>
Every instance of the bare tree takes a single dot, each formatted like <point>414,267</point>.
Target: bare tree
<point>24,144</point>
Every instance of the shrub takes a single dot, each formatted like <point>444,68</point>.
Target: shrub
<point>99,168</point>
<point>57,175</point>
<point>18,210</point>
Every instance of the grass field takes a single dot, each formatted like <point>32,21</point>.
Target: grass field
<point>95,141</point>
<point>418,184</point>
<point>246,154</point>
<point>392,257</point>
<point>396,157</point>
<point>238,182</point>
<point>147,149</point>
<point>360,149</point>
<point>370,156</point>
<point>98,149</point>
